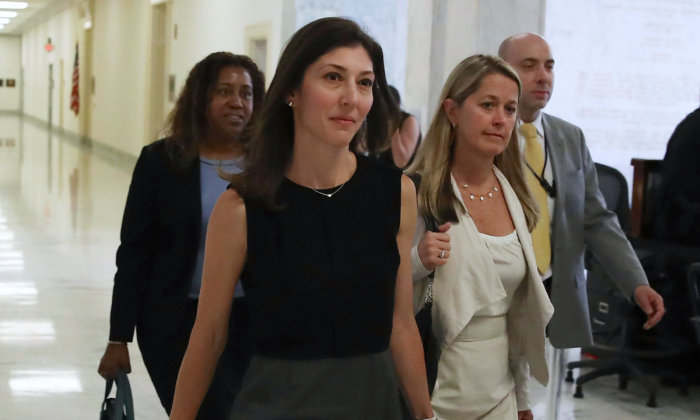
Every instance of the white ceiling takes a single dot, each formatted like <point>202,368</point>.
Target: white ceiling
<point>32,9</point>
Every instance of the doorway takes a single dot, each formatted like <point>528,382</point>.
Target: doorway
<point>61,88</point>
<point>86,80</point>
<point>158,70</point>
<point>256,41</point>
<point>50,119</point>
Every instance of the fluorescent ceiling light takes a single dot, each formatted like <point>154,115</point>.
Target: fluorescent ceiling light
<point>4,13</point>
<point>4,21</point>
<point>2,26</point>
<point>13,5</point>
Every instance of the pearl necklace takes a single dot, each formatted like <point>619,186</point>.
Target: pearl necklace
<point>481,197</point>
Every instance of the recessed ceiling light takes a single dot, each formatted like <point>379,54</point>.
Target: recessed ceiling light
<point>13,5</point>
<point>8,14</point>
<point>4,21</point>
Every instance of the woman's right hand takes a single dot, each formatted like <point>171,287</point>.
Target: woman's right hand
<point>434,248</point>
<point>116,357</point>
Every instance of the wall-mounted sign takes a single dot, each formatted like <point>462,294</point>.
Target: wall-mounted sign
<point>1,82</point>
<point>10,83</point>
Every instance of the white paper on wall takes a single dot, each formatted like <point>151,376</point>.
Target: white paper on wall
<point>627,72</point>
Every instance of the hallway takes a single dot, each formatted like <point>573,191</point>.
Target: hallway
<point>61,205</point>
<point>60,211</point>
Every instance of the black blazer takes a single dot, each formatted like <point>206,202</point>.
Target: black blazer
<point>159,243</point>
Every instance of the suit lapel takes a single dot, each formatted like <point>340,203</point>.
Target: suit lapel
<point>553,138</point>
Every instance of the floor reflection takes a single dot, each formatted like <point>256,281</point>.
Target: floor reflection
<point>38,382</point>
<point>18,293</point>
<point>27,332</point>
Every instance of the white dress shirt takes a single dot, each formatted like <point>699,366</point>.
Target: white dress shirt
<point>548,174</point>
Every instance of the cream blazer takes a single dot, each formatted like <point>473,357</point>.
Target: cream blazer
<point>469,282</point>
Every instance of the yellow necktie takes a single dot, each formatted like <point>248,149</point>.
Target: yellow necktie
<point>534,156</point>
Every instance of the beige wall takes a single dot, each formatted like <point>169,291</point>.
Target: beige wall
<point>120,33</point>
<point>121,59</point>
<point>121,40</point>
<point>65,30</point>
<point>10,68</point>
<point>207,26</point>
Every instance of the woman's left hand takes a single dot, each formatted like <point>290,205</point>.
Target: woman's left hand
<point>525,415</point>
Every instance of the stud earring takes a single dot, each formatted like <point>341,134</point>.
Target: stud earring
<point>290,103</point>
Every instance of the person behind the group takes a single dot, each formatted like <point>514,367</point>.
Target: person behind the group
<point>160,259</point>
<point>321,239</point>
<point>406,139</point>
<point>677,204</point>
<point>490,307</point>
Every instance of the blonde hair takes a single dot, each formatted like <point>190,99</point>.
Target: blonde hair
<point>436,197</point>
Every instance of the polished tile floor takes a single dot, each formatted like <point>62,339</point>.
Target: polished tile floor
<point>60,210</point>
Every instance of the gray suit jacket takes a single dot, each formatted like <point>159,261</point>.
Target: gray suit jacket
<point>581,220</point>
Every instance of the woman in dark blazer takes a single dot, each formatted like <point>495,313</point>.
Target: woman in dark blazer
<point>159,262</point>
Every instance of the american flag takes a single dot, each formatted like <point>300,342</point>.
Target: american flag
<point>75,92</point>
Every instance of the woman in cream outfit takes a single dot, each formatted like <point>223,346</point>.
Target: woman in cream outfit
<point>490,307</point>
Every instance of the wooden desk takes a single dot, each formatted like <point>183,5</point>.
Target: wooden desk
<point>645,181</point>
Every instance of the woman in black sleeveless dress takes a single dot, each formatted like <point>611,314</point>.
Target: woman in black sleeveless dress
<point>321,238</point>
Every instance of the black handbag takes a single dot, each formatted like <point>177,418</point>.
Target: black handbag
<point>121,407</point>
<point>424,320</point>
<point>424,317</point>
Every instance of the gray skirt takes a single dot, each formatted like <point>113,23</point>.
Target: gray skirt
<point>326,389</point>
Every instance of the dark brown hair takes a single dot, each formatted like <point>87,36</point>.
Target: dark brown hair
<point>273,143</point>
<point>188,124</point>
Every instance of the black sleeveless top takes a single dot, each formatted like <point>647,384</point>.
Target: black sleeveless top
<point>320,274</point>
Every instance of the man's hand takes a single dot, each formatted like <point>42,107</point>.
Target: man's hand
<point>651,303</point>
<point>434,247</point>
<point>116,357</point>
<point>525,415</point>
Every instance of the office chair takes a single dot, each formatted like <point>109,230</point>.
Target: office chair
<point>615,321</point>
<point>694,288</point>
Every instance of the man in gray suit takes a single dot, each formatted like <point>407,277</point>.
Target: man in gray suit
<point>574,212</point>
<point>574,217</point>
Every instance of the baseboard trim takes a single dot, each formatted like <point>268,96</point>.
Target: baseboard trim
<point>102,151</point>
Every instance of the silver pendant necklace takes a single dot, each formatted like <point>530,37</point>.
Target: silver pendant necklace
<point>329,195</point>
